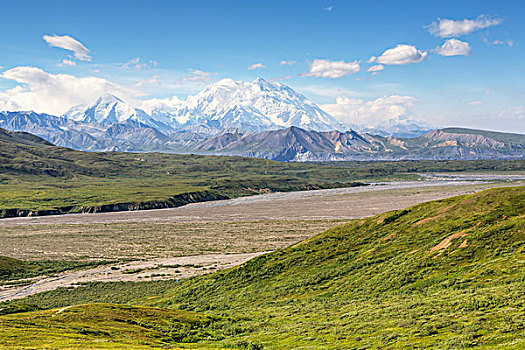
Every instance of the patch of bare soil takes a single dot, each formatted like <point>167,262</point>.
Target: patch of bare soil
<point>157,269</point>
<point>444,244</point>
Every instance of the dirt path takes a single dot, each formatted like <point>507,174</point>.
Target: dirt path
<point>157,269</point>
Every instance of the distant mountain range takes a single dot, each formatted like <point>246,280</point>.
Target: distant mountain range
<point>296,144</point>
<point>254,119</point>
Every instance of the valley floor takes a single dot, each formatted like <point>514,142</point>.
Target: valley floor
<point>204,237</point>
<point>337,203</point>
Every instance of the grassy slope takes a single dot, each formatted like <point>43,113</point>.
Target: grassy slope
<point>106,326</point>
<point>390,281</point>
<point>384,282</point>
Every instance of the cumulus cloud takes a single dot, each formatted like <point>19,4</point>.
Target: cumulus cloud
<point>287,63</point>
<point>399,55</point>
<point>447,27</point>
<point>55,93</point>
<point>67,63</point>
<point>383,111</point>
<point>256,66</point>
<point>138,64</point>
<point>68,43</point>
<point>331,69</point>
<point>376,68</point>
<point>454,47</point>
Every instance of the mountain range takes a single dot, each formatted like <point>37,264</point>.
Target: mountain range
<point>255,119</point>
<point>296,144</point>
<point>226,105</point>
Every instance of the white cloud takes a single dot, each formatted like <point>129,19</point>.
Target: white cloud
<point>376,68</point>
<point>138,64</point>
<point>331,69</point>
<point>447,27</point>
<point>499,42</point>
<point>287,63</point>
<point>475,103</point>
<point>256,66</point>
<point>67,63</point>
<point>454,47</point>
<point>328,8</point>
<point>148,81</point>
<point>68,43</point>
<point>513,113</point>
<point>399,55</point>
<point>385,110</point>
<point>197,76</point>
<point>55,93</point>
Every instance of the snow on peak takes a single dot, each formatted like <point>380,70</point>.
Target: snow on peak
<point>107,110</point>
<point>107,98</point>
<point>226,82</point>
<point>253,106</point>
<point>224,105</point>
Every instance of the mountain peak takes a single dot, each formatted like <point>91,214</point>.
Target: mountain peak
<point>253,106</point>
<point>264,84</point>
<point>109,109</point>
<point>226,82</point>
<point>260,80</point>
<point>108,98</point>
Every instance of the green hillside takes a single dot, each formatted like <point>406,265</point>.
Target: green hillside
<point>105,326</point>
<point>446,274</point>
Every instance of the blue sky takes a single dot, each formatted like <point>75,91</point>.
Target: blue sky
<point>157,49</point>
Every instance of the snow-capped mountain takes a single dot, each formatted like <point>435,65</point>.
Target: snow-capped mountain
<point>252,106</point>
<point>232,106</point>
<point>108,110</point>
<point>226,105</point>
